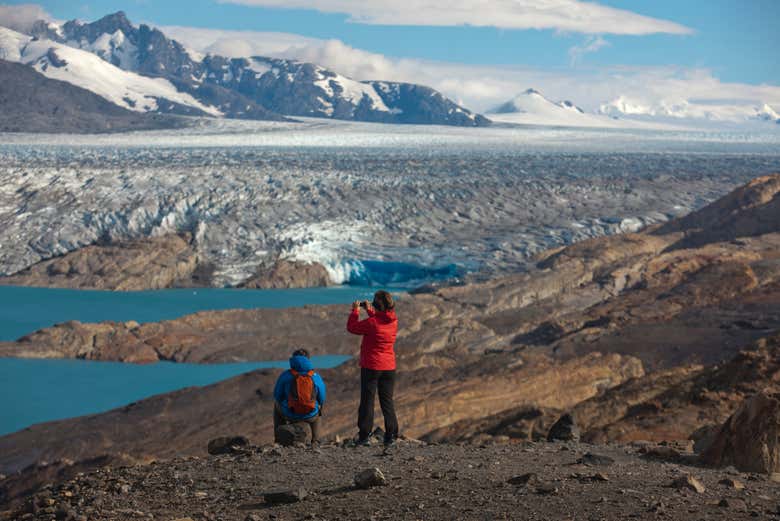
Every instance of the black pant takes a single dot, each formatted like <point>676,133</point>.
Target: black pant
<point>370,381</point>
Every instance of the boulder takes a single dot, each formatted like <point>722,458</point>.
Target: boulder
<point>228,445</point>
<point>370,478</point>
<point>688,482</point>
<point>291,434</point>
<point>565,429</point>
<point>523,479</point>
<point>749,438</point>
<point>732,483</point>
<point>595,460</point>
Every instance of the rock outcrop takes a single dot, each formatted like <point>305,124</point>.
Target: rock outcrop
<point>152,263</point>
<point>750,438</point>
<point>749,211</point>
<point>289,274</point>
<point>683,403</point>
<point>155,263</point>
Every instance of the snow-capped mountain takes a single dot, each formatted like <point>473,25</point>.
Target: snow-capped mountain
<point>531,107</point>
<point>245,87</point>
<point>533,101</point>
<point>83,69</point>
<point>734,112</point>
<point>767,113</point>
<point>31,102</point>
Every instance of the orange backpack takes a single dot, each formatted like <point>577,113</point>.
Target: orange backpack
<point>303,394</point>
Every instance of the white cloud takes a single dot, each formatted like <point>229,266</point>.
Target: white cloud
<point>21,17</point>
<point>591,44</point>
<point>238,44</point>
<point>560,15</point>
<point>481,87</point>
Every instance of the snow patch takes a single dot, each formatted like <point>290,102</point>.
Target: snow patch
<point>89,71</point>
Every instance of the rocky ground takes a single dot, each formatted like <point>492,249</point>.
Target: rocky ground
<point>529,481</point>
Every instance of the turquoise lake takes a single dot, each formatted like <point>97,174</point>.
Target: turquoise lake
<point>23,310</point>
<point>36,391</point>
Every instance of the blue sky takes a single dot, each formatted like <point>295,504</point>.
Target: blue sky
<point>737,40</point>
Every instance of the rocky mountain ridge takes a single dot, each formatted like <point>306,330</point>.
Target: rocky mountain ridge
<point>256,87</point>
<point>34,103</point>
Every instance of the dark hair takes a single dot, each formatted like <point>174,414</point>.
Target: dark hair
<point>383,301</point>
<point>301,352</point>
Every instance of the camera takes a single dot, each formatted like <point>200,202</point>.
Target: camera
<point>364,304</point>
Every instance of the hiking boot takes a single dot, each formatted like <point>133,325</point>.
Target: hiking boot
<point>390,443</point>
<point>363,442</point>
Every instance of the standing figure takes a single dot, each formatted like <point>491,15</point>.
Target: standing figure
<point>377,363</point>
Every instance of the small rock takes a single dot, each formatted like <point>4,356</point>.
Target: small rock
<point>253,517</point>
<point>227,445</point>
<point>523,479</point>
<point>285,496</point>
<point>732,483</point>
<point>595,459</point>
<point>290,435</point>
<point>565,429</point>
<point>688,482</point>
<point>370,478</point>
<point>598,476</point>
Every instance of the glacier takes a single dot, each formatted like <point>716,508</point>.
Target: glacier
<point>382,203</point>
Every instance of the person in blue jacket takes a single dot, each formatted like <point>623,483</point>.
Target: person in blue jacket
<point>299,395</point>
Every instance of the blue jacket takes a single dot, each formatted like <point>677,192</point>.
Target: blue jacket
<point>282,388</point>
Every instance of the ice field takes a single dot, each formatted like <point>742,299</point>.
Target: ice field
<point>344,193</point>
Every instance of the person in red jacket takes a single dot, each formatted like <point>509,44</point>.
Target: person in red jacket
<point>377,363</point>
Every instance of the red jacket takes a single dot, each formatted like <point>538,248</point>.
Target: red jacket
<point>379,331</point>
